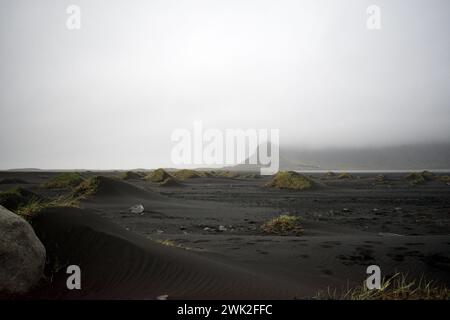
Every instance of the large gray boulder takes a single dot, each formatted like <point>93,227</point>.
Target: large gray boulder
<point>22,255</point>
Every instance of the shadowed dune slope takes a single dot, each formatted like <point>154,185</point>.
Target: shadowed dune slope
<point>116,264</point>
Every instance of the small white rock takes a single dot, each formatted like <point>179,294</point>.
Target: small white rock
<point>137,209</point>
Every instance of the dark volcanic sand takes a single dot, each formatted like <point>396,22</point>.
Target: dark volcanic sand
<point>349,224</point>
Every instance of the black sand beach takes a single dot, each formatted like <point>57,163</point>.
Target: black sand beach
<point>202,238</point>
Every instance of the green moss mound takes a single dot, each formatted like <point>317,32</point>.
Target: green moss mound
<point>283,224</point>
<point>158,175</point>
<point>290,180</point>
<point>65,180</point>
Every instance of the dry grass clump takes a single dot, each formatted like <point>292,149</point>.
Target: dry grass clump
<point>186,174</point>
<point>64,180</point>
<point>27,204</point>
<point>290,180</point>
<point>14,198</point>
<point>159,175</point>
<point>283,224</point>
<point>345,175</point>
<point>416,178</point>
<point>33,207</point>
<point>397,287</point>
<point>86,188</point>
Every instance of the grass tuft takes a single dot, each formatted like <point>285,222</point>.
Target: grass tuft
<point>86,188</point>
<point>417,178</point>
<point>159,175</point>
<point>345,175</point>
<point>64,180</point>
<point>32,208</point>
<point>14,198</point>
<point>283,224</point>
<point>397,287</point>
<point>290,180</point>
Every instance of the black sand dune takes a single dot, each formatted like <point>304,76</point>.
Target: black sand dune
<point>115,189</point>
<point>116,263</point>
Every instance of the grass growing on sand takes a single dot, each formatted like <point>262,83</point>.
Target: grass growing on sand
<point>65,180</point>
<point>290,180</point>
<point>14,198</point>
<point>445,178</point>
<point>345,175</point>
<point>283,224</point>
<point>33,207</point>
<point>171,243</point>
<point>186,174</point>
<point>86,188</point>
<point>397,287</point>
<point>27,204</point>
<point>159,175</point>
<point>416,178</point>
<point>127,175</point>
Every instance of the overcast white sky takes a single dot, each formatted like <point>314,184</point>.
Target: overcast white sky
<point>110,94</point>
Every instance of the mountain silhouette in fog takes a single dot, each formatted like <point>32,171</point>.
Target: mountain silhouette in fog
<point>404,157</point>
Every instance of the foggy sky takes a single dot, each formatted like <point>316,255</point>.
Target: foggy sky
<point>109,95</point>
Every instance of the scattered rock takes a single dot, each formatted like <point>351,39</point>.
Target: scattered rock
<point>222,228</point>
<point>22,254</point>
<point>137,209</point>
